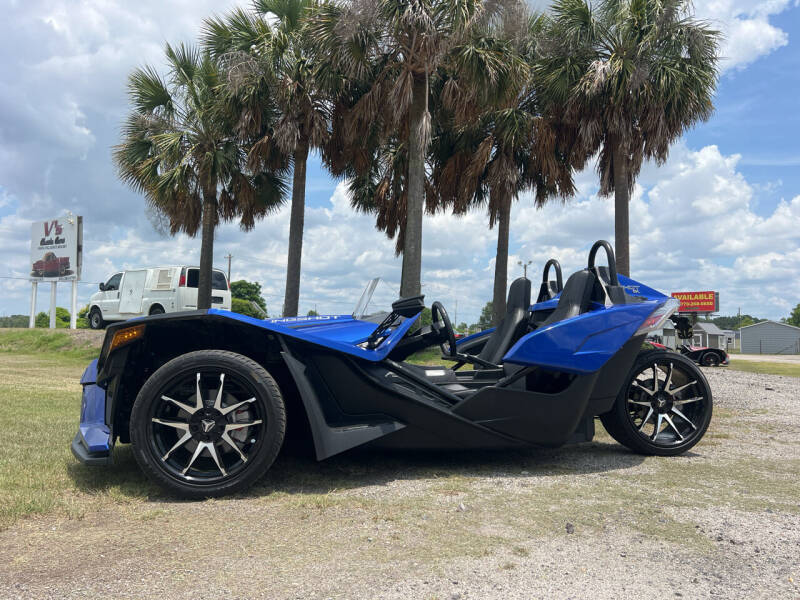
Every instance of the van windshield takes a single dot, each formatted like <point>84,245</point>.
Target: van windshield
<point>218,280</point>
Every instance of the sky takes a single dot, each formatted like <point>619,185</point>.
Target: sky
<point>722,214</point>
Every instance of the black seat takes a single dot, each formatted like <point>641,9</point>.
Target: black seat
<point>575,297</point>
<point>513,325</point>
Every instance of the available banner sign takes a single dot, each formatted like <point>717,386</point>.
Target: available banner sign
<point>701,302</point>
<point>57,248</point>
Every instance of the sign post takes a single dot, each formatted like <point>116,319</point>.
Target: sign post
<point>34,289</point>
<point>73,312</point>
<point>53,291</point>
<point>56,255</point>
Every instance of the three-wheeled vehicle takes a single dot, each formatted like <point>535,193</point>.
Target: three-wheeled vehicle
<point>207,397</point>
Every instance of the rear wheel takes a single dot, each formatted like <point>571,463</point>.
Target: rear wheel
<point>664,408</point>
<point>96,319</point>
<point>208,423</point>
<point>157,309</point>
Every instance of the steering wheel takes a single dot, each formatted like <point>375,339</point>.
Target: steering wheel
<point>440,323</point>
<point>612,262</point>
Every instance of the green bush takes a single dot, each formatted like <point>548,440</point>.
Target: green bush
<point>246,290</point>
<point>243,307</point>
<point>14,321</point>
<point>62,318</point>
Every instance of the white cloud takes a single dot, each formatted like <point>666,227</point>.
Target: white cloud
<point>745,24</point>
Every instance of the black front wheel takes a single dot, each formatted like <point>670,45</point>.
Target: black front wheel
<point>96,319</point>
<point>664,408</point>
<point>710,359</point>
<point>208,423</point>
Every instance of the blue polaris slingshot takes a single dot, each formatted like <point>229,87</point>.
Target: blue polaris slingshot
<point>208,397</point>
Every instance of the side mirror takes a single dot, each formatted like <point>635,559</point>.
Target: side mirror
<point>408,307</point>
<point>102,287</point>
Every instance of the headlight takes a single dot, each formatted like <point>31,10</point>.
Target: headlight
<point>659,316</point>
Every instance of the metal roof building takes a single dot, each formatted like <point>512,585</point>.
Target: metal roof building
<point>770,337</point>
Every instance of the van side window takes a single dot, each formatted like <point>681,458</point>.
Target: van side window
<point>113,283</point>
<point>218,279</point>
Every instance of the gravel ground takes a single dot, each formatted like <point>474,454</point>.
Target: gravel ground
<point>587,521</point>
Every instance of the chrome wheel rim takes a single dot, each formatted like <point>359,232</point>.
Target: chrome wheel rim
<point>204,426</point>
<point>667,404</point>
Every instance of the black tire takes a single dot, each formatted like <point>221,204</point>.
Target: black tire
<point>684,409</point>
<point>710,359</point>
<point>157,310</point>
<point>96,319</point>
<point>212,465</point>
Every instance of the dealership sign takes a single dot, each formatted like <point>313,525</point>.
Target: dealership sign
<point>699,302</point>
<point>57,248</point>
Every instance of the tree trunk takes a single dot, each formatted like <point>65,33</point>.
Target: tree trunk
<point>501,262</point>
<point>207,247</point>
<point>412,246</point>
<point>291,299</point>
<point>621,208</point>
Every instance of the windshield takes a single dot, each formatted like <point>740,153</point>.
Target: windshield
<point>376,300</point>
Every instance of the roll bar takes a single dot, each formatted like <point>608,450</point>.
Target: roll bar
<point>559,278</point>
<point>612,261</point>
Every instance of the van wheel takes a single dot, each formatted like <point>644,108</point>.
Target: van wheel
<point>157,310</point>
<point>96,319</point>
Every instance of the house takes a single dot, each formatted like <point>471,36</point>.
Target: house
<point>708,335</point>
<point>770,337</point>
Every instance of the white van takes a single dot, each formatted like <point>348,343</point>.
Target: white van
<point>139,292</point>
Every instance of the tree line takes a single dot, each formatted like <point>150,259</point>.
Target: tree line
<point>419,105</point>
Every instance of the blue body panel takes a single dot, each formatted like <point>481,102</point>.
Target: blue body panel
<point>582,344</point>
<point>639,290</point>
<point>474,336</point>
<point>94,433</point>
<point>337,332</point>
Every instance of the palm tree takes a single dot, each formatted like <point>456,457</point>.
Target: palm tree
<point>632,76</point>
<point>274,35</point>
<point>381,59</point>
<point>179,150</point>
<point>509,146</point>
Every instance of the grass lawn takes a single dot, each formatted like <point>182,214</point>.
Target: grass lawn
<point>40,397</point>
<point>768,368</point>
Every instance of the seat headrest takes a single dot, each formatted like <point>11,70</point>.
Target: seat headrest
<point>519,295</point>
<point>575,297</point>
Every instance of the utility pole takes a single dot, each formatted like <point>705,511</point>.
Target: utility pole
<point>740,331</point>
<point>229,257</point>
<point>524,266</point>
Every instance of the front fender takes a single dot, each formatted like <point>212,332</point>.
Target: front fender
<point>93,442</point>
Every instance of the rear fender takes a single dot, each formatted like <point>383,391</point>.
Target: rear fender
<point>582,344</point>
